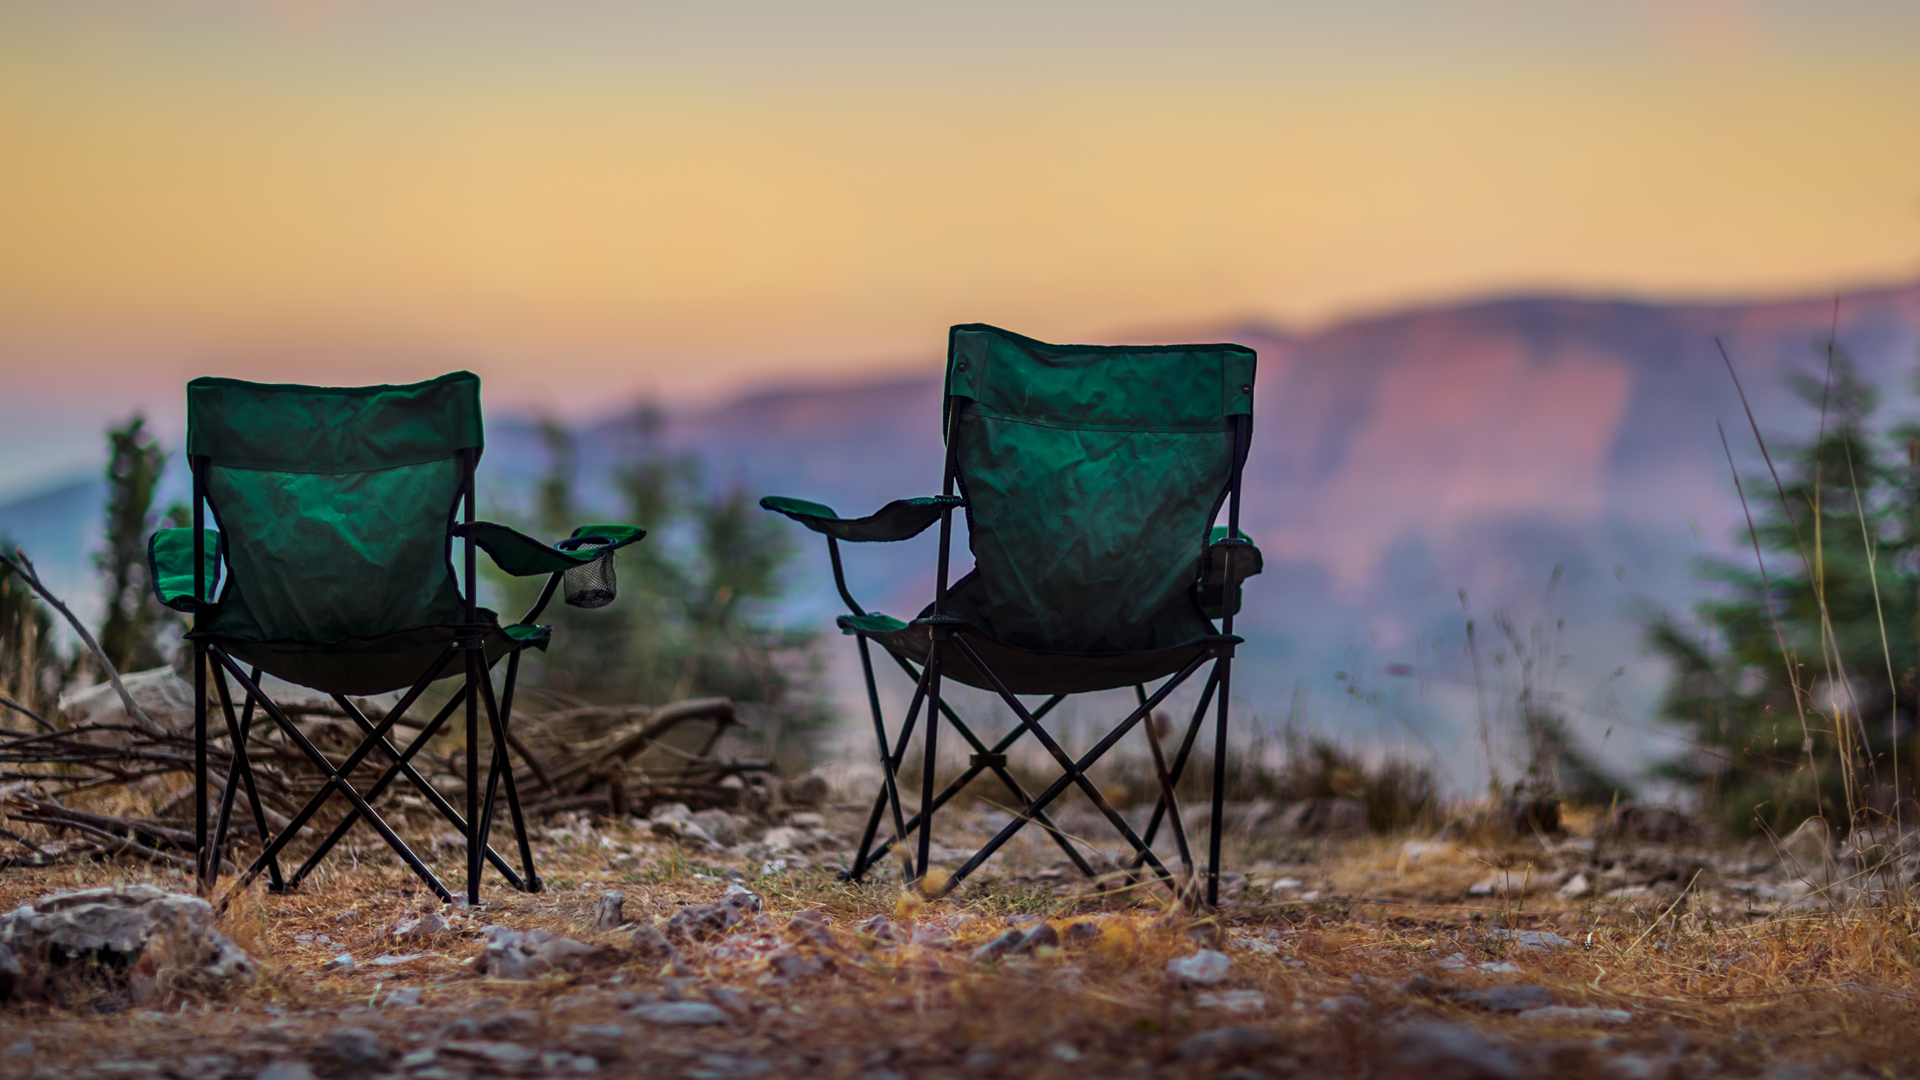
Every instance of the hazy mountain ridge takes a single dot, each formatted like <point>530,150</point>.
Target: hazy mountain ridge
<point>1397,461</point>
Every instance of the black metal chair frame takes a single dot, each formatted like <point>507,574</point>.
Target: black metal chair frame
<point>948,632</point>
<point>477,822</point>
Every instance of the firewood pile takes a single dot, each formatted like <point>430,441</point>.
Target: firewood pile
<point>57,782</point>
<point>128,745</point>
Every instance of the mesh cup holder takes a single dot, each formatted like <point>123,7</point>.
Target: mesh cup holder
<point>589,585</point>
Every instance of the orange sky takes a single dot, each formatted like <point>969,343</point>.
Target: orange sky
<point>585,199</point>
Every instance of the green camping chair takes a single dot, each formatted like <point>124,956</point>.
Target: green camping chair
<point>337,511</point>
<point>1090,477</point>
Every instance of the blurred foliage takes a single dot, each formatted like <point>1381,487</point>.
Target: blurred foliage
<point>1799,696</point>
<point>33,672</point>
<point>133,619</point>
<point>692,618</point>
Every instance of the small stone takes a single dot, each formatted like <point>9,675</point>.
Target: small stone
<point>391,959</point>
<point>354,1051</point>
<point>812,925</point>
<point>679,1013</point>
<point>285,1070</point>
<point>1082,931</point>
<point>1507,999</point>
<point>511,954</point>
<point>557,1062</point>
<point>793,965</point>
<point>514,1023</point>
<point>731,1000</point>
<point>727,1067</point>
<point>725,829</point>
<point>999,946</point>
<point>609,912</point>
<point>432,924</point>
<point>508,1056</point>
<point>20,1049</point>
<point>1539,940</point>
<point>1040,936</point>
<point>1436,1050</point>
<point>1641,1067</point>
<point>1571,1014</point>
<point>1229,1042</point>
<point>606,1042</point>
<point>1233,1001</point>
<point>881,928</point>
<point>1204,968</point>
<point>1576,887</point>
<point>981,1059</point>
<point>651,943</point>
<point>931,937</point>
<point>404,997</point>
<point>1343,1005</point>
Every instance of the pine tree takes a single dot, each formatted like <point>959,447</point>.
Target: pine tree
<point>1800,697</point>
<point>130,629</point>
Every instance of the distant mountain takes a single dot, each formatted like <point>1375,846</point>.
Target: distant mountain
<point>1398,462</point>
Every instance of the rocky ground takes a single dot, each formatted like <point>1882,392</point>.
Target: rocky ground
<point>706,947</point>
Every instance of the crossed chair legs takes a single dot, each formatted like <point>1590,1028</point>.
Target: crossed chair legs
<point>1073,772</point>
<point>476,825</point>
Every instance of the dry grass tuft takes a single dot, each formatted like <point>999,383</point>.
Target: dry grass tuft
<point>1724,965</point>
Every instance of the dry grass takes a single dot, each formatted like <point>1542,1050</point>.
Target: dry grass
<point>1713,988</point>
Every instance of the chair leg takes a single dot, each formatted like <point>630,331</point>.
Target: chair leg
<point>200,761</point>
<point>931,743</point>
<point>1219,781</point>
<point>1073,772</point>
<point>1180,760</point>
<point>241,772</point>
<point>403,765</point>
<point>502,771</point>
<point>336,778</point>
<point>1021,798</point>
<point>955,787</point>
<point>891,764</point>
<point>1167,796</point>
<point>379,787</point>
<point>888,761</point>
<point>473,777</point>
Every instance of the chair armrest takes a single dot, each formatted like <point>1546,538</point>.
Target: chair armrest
<point>522,556</point>
<point>170,568</point>
<point>1210,591</point>
<point>898,520</point>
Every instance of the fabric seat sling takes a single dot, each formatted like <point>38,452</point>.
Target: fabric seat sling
<point>1091,477</point>
<point>331,567</point>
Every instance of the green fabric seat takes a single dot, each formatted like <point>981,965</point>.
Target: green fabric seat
<point>1091,478</point>
<point>333,566</point>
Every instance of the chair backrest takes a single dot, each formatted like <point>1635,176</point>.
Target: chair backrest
<point>1092,475</point>
<point>334,504</point>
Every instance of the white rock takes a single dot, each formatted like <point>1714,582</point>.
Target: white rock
<point>680,1013</point>
<point>1233,1001</point>
<point>1204,968</point>
<point>1576,887</point>
<point>432,924</point>
<point>1576,1014</point>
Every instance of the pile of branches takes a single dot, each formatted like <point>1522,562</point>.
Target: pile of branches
<point>616,760</point>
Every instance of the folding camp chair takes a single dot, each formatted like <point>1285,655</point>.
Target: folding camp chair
<point>1090,477</point>
<point>336,511</point>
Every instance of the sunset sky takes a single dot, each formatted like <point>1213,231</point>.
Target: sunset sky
<point>588,200</point>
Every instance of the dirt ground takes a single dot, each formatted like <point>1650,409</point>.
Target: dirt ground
<point>1426,956</point>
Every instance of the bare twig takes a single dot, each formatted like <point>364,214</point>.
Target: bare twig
<point>34,716</point>
<point>23,566</point>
